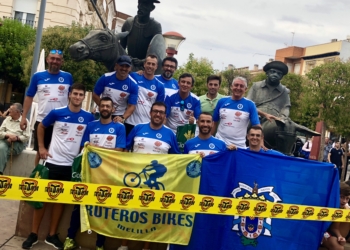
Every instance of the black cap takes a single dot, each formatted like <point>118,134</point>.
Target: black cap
<point>124,60</point>
<point>151,1</point>
<point>276,65</point>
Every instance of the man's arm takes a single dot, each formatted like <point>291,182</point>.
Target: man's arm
<point>25,135</point>
<point>26,106</point>
<point>267,116</point>
<point>329,156</point>
<point>96,98</point>
<point>215,127</point>
<point>42,150</point>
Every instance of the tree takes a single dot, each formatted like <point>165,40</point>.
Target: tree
<point>58,37</point>
<point>14,38</point>
<point>228,76</point>
<point>329,93</point>
<point>200,69</point>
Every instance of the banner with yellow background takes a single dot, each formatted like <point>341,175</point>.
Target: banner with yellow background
<point>173,173</point>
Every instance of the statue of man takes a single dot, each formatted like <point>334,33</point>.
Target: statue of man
<point>273,103</point>
<point>142,29</point>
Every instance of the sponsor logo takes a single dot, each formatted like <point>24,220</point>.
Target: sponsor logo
<point>206,203</point>
<point>238,114</point>
<point>102,193</point>
<point>150,94</point>
<point>61,87</point>
<point>5,184</point>
<point>276,209</point>
<point>197,145</point>
<point>122,95</point>
<point>28,187</point>
<point>70,139</point>
<point>187,201</point>
<point>80,127</point>
<point>66,118</point>
<point>125,195</point>
<point>79,191</point>
<point>243,206</point>
<point>167,199</point>
<point>53,99</point>
<point>111,83</point>
<point>348,217</point>
<point>158,143</point>
<point>293,210</point>
<point>54,189</point>
<point>110,137</point>
<point>47,79</point>
<point>324,212</point>
<point>145,133</point>
<point>338,214</point>
<point>260,207</point>
<point>147,197</point>
<point>309,211</point>
<point>224,205</point>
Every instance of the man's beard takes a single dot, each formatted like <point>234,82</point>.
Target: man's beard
<point>109,114</point>
<point>205,133</point>
<point>168,74</point>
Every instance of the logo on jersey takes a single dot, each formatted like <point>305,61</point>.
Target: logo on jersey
<point>80,127</point>
<point>61,87</point>
<point>173,85</point>
<point>122,95</point>
<point>47,79</point>
<point>211,146</point>
<point>226,104</point>
<point>238,114</point>
<point>111,83</point>
<point>81,119</point>
<point>188,112</point>
<point>111,130</point>
<point>110,137</point>
<point>240,106</point>
<point>153,87</point>
<point>158,143</point>
<point>159,136</point>
<point>189,105</point>
<point>150,94</point>
<point>125,87</point>
<point>61,79</point>
<point>66,118</point>
<point>197,145</point>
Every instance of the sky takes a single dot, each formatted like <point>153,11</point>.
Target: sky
<point>244,33</point>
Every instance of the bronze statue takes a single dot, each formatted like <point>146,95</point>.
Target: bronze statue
<point>272,101</point>
<point>141,35</point>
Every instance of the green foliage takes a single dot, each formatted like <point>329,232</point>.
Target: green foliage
<point>329,93</point>
<point>228,76</point>
<point>259,77</point>
<point>200,69</point>
<point>58,37</point>
<point>14,38</point>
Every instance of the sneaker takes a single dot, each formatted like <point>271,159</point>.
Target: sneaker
<point>54,241</point>
<point>123,248</point>
<point>99,248</point>
<point>30,241</point>
<point>69,244</point>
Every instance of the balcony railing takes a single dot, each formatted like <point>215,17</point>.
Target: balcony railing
<point>24,21</point>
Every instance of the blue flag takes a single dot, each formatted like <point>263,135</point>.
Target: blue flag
<point>252,175</point>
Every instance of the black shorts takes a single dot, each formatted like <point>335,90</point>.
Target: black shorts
<point>128,128</point>
<point>47,136</point>
<point>59,173</point>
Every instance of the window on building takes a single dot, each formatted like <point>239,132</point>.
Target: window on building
<point>309,66</point>
<point>25,18</point>
<point>297,68</point>
<point>329,59</point>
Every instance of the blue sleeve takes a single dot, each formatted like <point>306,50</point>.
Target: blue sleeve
<point>161,93</point>
<point>216,114</point>
<point>197,109</point>
<point>130,139</point>
<point>134,93</point>
<point>253,115</point>
<point>134,75</point>
<point>174,146</point>
<point>168,106</point>
<point>186,148</point>
<point>121,137</point>
<point>100,85</point>
<point>71,79</point>
<point>33,87</point>
<point>50,118</point>
<point>86,136</point>
<point>91,117</point>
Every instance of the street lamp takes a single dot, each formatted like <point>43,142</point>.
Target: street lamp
<point>172,42</point>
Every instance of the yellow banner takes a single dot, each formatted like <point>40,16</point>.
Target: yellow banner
<point>147,172</point>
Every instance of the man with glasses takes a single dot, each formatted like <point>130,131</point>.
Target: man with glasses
<point>51,87</point>
<point>182,107</point>
<point>169,66</point>
<point>211,98</point>
<point>12,137</point>
<point>120,87</point>
<point>152,138</point>
<point>150,91</point>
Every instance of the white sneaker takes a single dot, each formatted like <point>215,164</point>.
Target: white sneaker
<point>123,248</point>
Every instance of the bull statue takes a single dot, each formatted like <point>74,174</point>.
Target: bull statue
<point>141,36</point>
<point>272,100</point>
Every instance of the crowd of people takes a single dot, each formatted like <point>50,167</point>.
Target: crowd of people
<point>135,109</point>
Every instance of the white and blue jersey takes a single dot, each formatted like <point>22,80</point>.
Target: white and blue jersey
<point>150,91</point>
<point>122,92</point>
<point>52,90</point>
<point>143,139</point>
<point>68,131</point>
<point>179,111</point>
<point>209,146</point>
<point>234,117</point>
<point>111,135</point>
<point>171,86</point>
<point>269,151</point>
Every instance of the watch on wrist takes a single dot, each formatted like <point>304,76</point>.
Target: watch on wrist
<point>123,119</point>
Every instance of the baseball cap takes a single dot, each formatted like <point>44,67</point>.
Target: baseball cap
<point>124,60</point>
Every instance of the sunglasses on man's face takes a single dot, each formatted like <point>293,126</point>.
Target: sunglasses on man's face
<point>182,105</point>
<point>56,51</point>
